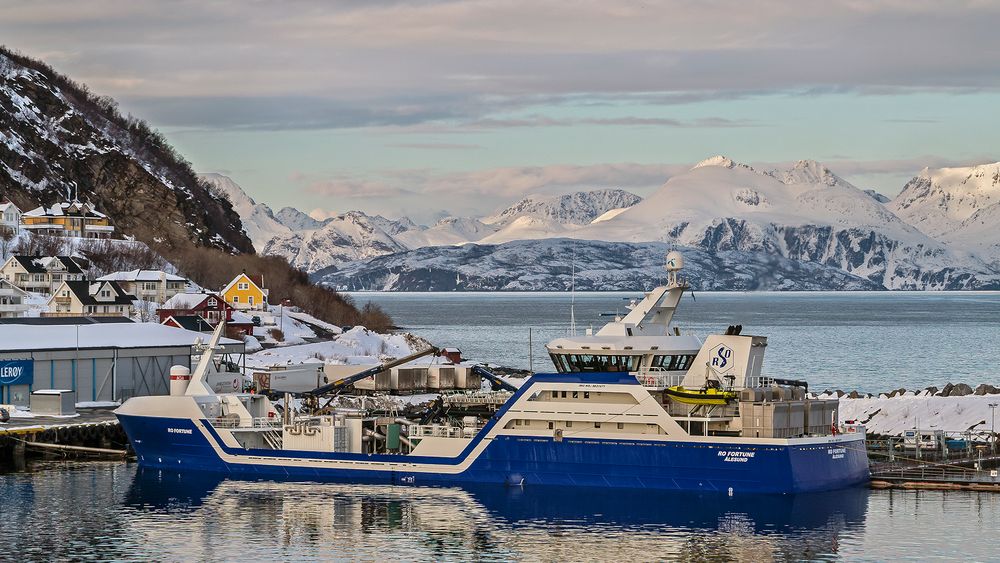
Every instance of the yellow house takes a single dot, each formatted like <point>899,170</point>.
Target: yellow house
<point>68,219</point>
<point>246,292</point>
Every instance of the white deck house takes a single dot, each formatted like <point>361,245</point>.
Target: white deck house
<point>83,298</point>
<point>42,274</point>
<point>149,285</point>
<point>12,300</point>
<point>10,216</point>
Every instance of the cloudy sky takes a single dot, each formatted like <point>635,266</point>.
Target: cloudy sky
<point>427,108</point>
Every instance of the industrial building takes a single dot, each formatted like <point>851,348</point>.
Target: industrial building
<point>101,361</point>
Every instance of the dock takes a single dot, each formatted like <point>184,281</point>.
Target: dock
<point>95,432</point>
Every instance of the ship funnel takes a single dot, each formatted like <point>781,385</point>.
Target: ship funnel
<point>674,264</point>
<point>180,377</point>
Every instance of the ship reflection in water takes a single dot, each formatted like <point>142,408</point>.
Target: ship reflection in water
<point>194,516</point>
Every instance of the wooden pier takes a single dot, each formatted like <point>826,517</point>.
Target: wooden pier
<point>94,433</point>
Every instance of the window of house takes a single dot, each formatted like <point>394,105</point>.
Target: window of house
<point>250,300</point>
<point>236,299</point>
<point>243,286</point>
<point>212,302</point>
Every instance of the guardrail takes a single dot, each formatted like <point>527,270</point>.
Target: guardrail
<point>232,422</point>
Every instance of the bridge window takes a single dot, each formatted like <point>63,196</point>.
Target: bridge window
<point>672,362</point>
<point>595,362</point>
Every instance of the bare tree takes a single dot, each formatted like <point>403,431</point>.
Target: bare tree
<point>6,242</point>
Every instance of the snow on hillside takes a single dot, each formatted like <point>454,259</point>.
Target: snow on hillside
<point>938,201</point>
<point>548,265</point>
<point>296,220</point>
<point>805,213</point>
<point>577,208</point>
<point>345,238</point>
<point>447,231</point>
<point>960,206</point>
<point>258,222</point>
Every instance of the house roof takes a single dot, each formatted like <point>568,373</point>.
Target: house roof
<point>74,209</point>
<point>27,338</point>
<point>257,281</point>
<point>141,276</point>
<point>190,322</point>
<point>189,300</point>
<point>4,284</point>
<point>85,290</point>
<point>39,264</point>
<point>6,204</point>
<point>58,321</point>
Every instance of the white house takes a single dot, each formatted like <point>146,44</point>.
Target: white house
<point>149,285</point>
<point>83,298</point>
<point>12,300</point>
<point>42,274</point>
<point>10,216</point>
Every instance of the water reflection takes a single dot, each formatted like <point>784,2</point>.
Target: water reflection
<point>361,521</point>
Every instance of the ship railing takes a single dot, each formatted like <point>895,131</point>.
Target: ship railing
<point>234,422</point>
<point>753,382</point>
<point>658,378</point>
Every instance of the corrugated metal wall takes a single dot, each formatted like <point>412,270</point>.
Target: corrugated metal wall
<point>99,374</point>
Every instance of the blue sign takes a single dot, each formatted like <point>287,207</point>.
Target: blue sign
<point>17,372</point>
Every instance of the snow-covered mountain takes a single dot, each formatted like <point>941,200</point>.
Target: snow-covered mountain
<point>296,220</point>
<point>804,213</point>
<point>259,223</point>
<point>938,201</point>
<point>960,206</point>
<point>345,238</point>
<point>579,208</point>
<point>312,245</point>
<point>795,220</point>
<point>548,265</point>
<point>447,231</point>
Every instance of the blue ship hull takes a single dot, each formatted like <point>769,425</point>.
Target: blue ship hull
<point>742,467</point>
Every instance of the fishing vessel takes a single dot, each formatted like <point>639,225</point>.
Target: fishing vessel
<point>611,416</point>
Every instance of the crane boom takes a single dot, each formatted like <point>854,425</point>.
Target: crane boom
<point>345,381</point>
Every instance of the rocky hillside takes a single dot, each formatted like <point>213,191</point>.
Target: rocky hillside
<point>59,141</point>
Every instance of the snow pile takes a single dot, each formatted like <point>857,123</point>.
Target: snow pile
<point>281,319</point>
<point>893,415</point>
<point>307,318</point>
<point>356,346</point>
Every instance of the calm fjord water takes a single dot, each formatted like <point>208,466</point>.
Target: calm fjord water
<point>117,512</point>
<point>869,341</point>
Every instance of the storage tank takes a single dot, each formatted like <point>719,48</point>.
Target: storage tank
<point>180,378</point>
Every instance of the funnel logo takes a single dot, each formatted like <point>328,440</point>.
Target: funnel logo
<point>721,357</point>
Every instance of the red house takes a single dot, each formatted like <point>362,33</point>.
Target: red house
<point>209,306</point>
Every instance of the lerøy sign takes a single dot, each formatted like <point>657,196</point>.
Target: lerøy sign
<point>17,372</point>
